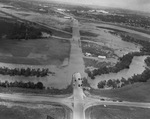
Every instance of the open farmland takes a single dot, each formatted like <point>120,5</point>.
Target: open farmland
<point>35,52</point>
<point>47,20</point>
<point>6,27</point>
<point>88,33</point>
<point>30,111</point>
<point>117,112</point>
<point>54,66</point>
<point>9,25</point>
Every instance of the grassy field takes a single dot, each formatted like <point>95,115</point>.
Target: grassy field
<point>57,32</point>
<point>87,33</point>
<point>117,30</point>
<point>131,34</point>
<point>96,49</point>
<point>135,29</point>
<point>123,26</point>
<point>35,52</point>
<point>94,63</point>
<point>18,112</point>
<point>65,91</point>
<point>68,29</point>
<point>138,92</point>
<point>117,112</point>
<point>7,27</point>
<point>89,39</point>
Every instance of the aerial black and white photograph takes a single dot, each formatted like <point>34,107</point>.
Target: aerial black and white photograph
<point>74,59</point>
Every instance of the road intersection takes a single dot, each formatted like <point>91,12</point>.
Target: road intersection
<point>78,102</point>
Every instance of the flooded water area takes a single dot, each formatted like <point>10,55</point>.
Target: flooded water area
<point>114,41</point>
<point>136,67</point>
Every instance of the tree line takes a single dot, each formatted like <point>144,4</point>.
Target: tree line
<point>29,85</point>
<point>123,63</point>
<point>25,31</point>
<point>55,91</point>
<point>145,44</point>
<point>25,72</point>
<point>147,61</point>
<point>116,83</point>
<point>38,85</point>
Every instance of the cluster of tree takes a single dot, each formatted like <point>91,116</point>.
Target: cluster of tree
<point>124,63</point>
<point>24,31</point>
<point>147,61</point>
<point>29,85</point>
<point>5,1</point>
<point>95,50</point>
<point>49,117</point>
<point>116,83</point>
<point>145,44</point>
<point>121,19</point>
<point>109,83</point>
<point>26,5</point>
<point>128,19</point>
<point>85,82</point>
<point>25,72</point>
<point>38,85</point>
<point>55,91</point>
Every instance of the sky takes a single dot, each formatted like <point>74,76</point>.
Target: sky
<point>142,5</point>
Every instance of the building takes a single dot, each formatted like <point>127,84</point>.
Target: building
<point>42,10</point>
<point>62,10</point>
<point>88,54</point>
<point>66,17</point>
<point>101,57</point>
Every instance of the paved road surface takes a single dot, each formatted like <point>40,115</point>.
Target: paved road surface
<point>93,102</point>
<point>76,63</point>
<point>77,102</point>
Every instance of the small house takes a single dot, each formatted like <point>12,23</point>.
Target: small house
<point>101,57</point>
<point>88,54</point>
